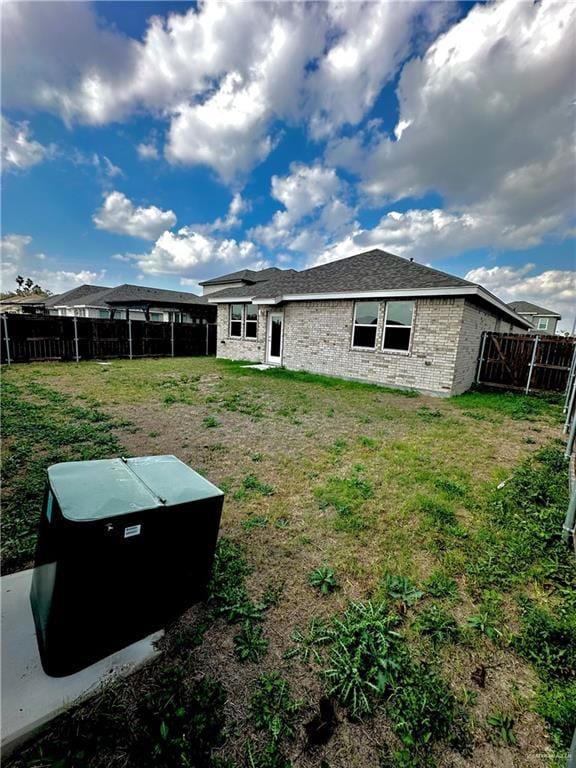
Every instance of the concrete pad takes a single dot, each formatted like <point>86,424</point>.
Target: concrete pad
<point>259,366</point>
<point>30,698</point>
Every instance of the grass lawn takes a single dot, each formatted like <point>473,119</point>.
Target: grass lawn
<point>377,599</point>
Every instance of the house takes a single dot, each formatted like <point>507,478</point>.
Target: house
<point>134,302</point>
<point>28,304</point>
<point>373,317</point>
<point>543,321</point>
<point>243,278</point>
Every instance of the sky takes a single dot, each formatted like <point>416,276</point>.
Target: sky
<point>164,143</point>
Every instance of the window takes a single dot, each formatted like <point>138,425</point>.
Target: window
<point>236,312</point>
<point>398,325</point>
<point>251,322</point>
<point>156,317</point>
<point>542,323</point>
<point>103,314</point>
<point>243,321</point>
<point>365,324</point>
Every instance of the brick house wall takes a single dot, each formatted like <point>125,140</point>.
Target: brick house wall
<point>317,337</point>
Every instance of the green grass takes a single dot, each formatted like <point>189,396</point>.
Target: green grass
<point>399,496</point>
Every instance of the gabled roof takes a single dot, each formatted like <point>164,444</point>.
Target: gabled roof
<point>18,300</point>
<point>527,308</point>
<point>370,274</point>
<point>247,276</point>
<point>69,298</point>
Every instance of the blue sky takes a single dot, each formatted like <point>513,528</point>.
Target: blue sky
<point>163,143</point>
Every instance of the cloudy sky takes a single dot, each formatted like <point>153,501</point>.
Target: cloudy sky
<point>163,143</point>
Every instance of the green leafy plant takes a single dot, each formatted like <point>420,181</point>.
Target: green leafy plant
<point>324,580</point>
<point>251,483</point>
<point>439,626</point>
<point>439,584</point>
<point>400,589</point>
<point>502,726</point>
<point>210,422</point>
<point>307,643</point>
<point>256,521</point>
<point>250,643</point>
<point>272,708</point>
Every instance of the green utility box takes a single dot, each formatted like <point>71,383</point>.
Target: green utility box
<point>124,547</point>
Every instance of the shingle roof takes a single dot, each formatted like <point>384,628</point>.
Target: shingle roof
<point>69,297</point>
<point>246,276</point>
<point>373,270</point>
<point>527,308</point>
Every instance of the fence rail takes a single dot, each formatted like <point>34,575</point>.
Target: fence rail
<point>25,339</point>
<point>525,363</point>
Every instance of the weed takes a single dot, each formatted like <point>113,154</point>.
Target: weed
<point>153,434</point>
<point>438,625</point>
<point>400,589</point>
<point>257,457</point>
<point>243,402</point>
<point>180,722</point>
<point>367,442</point>
<point>250,483</point>
<point>272,594</point>
<point>346,495</point>
<point>451,488</point>
<point>282,523</point>
<point>257,521</point>
<point>549,643</point>
<point>556,703</point>
<point>250,643</point>
<point>502,726</point>
<point>210,422</point>
<point>439,584</point>
<point>272,708</point>
<point>324,580</point>
<point>307,644</point>
<point>427,414</point>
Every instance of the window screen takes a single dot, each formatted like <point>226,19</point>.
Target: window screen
<point>365,324</point>
<point>398,325</point>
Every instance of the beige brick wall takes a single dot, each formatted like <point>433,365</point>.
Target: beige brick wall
<point>317,338</point>
<point>475,320</point>
<point>239,349</point>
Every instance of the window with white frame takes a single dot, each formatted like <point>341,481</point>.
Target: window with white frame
<point>398,326</point>
<point>365,324</point>
<point>243,321</point>
<point>236,317</point>
<point>251,321</point>
<point>542,323</point>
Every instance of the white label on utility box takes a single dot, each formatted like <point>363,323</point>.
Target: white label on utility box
<point>132,530</point>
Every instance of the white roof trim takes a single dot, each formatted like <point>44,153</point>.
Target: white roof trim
<point>464,290</point>
<point>233,300</point>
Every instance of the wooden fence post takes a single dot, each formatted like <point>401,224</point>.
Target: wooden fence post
<point>76,339</point>
<point>130,338</point>
<point>6,338</point>
<point>172,337</point>
<point>536,340</point>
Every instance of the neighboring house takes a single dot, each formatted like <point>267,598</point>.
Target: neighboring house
<point>241,279</point>
<point>542,320</point>
<point>134,302</point>
<point>372,317</point>
<point>31,304</point>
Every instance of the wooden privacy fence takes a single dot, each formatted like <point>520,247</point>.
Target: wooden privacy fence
<point>31,338</point>
<point>525,362</point>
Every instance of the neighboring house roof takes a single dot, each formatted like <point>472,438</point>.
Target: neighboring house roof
<point>124,294</point>
<point>365,275</point>
<point>69,298</point>
<point>246,276</point>
<point>36,298</point>
<point>527,308</point>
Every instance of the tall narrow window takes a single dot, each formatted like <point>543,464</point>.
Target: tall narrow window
<point>365,324</point>
<point>251,322</point>
<point>236,320</point>
<point>542,323</point>
<point>398,325</point>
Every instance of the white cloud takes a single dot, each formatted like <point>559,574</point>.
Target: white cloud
<point>220,73</point>
<point>19,149</point>
<point>147,151</point>
<point>15,260</point>
<point>119,214</point>
<point>553,289</point>
<point>485,120</point>
<point>232,219</point>
<point>311,197</point>
<point>186,251</point>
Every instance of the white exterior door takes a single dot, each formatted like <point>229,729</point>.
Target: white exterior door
<point>274,341</point>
